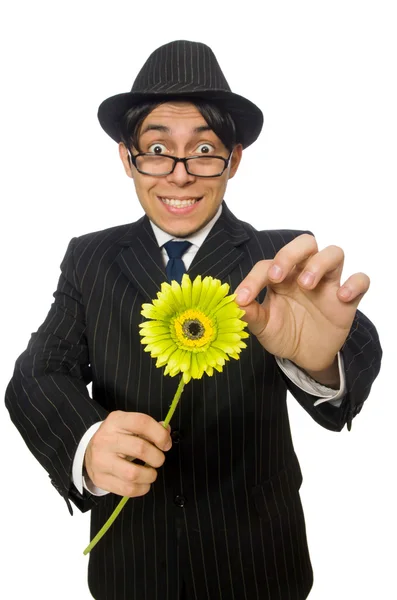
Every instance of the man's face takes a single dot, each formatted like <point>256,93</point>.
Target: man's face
<point>180,130</point>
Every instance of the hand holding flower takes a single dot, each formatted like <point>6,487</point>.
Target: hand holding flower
<point>121,436</point>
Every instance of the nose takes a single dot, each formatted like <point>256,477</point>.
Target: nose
<point>180,176</point>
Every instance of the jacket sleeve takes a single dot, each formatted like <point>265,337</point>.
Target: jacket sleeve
<point>47,397</point>
<point>362,354</point>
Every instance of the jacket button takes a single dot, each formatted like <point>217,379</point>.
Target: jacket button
<point>176,436</point>
<point>180,500</point>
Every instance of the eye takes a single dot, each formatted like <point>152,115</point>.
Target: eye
<point>157,149</point>
<point>205,148</point>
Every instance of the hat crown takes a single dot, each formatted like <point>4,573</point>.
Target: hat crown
<point>180,66</point>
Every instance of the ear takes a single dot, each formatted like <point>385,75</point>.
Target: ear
<point>125,159</point>
<point>235,160</point>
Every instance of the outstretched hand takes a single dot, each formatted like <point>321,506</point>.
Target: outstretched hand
<point>307,314</point>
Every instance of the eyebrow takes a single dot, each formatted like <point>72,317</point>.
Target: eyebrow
<point>164,129</point>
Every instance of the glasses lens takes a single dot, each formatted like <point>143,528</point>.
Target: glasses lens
<point>205,166</point>
<point>154,164</point>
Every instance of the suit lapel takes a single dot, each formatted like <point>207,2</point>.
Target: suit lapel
<point>221,250</point>
<point>141,261</point>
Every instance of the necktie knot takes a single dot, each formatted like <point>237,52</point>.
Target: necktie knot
<point>176,249</point>
<point>175,267</point>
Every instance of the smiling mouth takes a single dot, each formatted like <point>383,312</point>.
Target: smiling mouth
<point>179,202</point>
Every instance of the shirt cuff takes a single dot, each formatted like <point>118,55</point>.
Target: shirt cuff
<point>303,381</point>
<point>83,482</point>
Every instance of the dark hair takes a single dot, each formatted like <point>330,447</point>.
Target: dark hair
<point>217,119</point>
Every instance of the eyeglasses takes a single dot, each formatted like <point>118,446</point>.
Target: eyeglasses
<point>159,165</point>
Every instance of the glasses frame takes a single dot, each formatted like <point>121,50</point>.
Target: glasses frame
<point>176,160</point>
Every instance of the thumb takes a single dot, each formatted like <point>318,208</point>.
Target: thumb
<point>256,317</point>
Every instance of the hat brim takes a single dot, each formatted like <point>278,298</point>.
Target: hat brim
<point>247,117</point>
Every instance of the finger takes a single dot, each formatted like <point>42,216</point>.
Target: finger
<point>142,424</point>
<point>131,472</point>
<point>255,281</point>
<point>138,448</point>
<point>326,264</point>
<point>298,251</point>
<point>113,484</point>
<point>276,270</point>
<point>168,427</point>
<point>354,288</point>
<point>256,317</point>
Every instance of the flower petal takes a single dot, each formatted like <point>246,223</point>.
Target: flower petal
<point>149,311</point>
<point>229,311</point>
<point>202,363</point>
<point>212,291</point>
<point>217,297</point>
<point>232,324</point>
<point>219,368</point>
<point>205,286</point>
<point>154,330</point>
<point>150,324</point>
<point>194,367</point>
<point>187,376</point>
<point>185,362</point>
<point>225,346</point>
<point>186,287</point>
<point>232,338</point>
<point>196,291</point>
<point>177,293</point>
<point>215,356</point>
<point>149,339</point>
<point>159,348</point>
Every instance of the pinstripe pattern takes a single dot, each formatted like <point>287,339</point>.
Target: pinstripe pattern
<point>240,533</point>
<point>180,57</point>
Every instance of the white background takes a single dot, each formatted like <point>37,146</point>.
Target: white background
<point>324,74</point>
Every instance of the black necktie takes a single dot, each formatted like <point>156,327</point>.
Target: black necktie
<point>175,267</point>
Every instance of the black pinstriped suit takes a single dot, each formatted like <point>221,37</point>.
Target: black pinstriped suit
<point>224,515</point>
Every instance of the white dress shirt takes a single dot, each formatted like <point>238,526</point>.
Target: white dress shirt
<point>296,375</point>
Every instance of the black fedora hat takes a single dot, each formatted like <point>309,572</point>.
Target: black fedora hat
<point>177,70</point>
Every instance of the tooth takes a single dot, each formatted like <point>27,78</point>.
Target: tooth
<point>178,203</point>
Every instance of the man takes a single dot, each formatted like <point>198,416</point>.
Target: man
<point>215,510</point>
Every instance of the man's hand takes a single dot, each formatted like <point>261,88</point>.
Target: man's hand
<point>306,315</point>
<point>121,437</point>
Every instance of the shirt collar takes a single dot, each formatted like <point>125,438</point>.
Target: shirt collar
<point>196,238</point>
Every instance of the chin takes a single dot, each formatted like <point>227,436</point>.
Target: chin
<point>182,231</point>
<point>181,228</point>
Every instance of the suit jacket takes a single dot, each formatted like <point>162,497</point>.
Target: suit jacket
<point>224,516</point>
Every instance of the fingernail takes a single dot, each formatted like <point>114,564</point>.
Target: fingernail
<point>307,278</point>
<point>242,295</point>
<point>275,272</point>
<point>345,293</point>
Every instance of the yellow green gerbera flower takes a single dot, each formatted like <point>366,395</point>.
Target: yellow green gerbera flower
<point>195,328</point>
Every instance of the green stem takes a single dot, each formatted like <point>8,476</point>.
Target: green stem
<point>174,403</point>
<point>108,523</point>
<point>124,500</point>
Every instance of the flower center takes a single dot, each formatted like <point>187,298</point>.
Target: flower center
<point>193,329</point>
